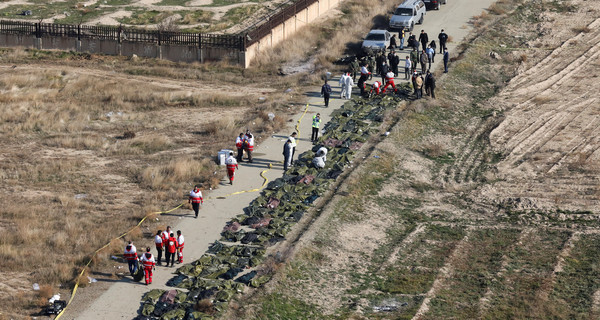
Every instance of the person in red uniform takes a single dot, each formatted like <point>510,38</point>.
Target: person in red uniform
<point>171,249</point>
<point>165,236</point>
<point>149,264</point>
<point>239,144</point>
<point>249,145</point>
<point>195,199</point>
<point>158,242</point>
<point>231,166</point>
<point>389,81</point>
<point>180,243</point>
<point>376,87</point>
<point>131,256</point>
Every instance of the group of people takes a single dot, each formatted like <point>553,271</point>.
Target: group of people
<point>244,143</point>
<point>164,241</point>
<point>387,66</point>
<point>418,83</point>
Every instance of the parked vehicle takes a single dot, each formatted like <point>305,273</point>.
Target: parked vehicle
<point>377,40</point>
<point>407,14</point>
<point>434,4</point>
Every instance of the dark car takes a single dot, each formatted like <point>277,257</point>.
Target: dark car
<point>434,4</point>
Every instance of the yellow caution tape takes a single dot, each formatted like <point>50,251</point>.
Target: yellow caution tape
<point>262,174</point>
<point>300,120</point>
<point>103,247</point>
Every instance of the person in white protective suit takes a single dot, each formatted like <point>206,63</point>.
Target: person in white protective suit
<point>320,158</point>
<point>343,85</point>
<point>349,85</point>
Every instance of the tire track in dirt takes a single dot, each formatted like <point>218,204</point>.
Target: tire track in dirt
<point>547,286</point>
<point>469,166</point>
<point>549,64</point>
<point>484,302</point>
<point>549,139</point>
<point>445,273</point>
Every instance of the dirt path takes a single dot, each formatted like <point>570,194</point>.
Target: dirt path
<point>121,300</point>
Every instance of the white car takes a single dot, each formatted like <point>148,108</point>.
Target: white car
<point>377,40</point>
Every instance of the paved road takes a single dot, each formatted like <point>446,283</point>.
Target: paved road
<point>121,300</point>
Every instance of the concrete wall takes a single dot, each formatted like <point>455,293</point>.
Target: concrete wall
<point>175,52</point>
<point>288,28</point>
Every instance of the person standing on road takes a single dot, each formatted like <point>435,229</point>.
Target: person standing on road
<point>231,164</point>
<point>370,65</point>
<point>148,264</point>
<point>401,34</point>
<point>419,86</point>
<point>442,37</point>
<point>131,256</point>
<point>446,58</point>
<point>414,59</point>
<point>349,84</point>
<point>326,93</point>
<point>343,85</point>
<point>195,199</point>
<point>239,144</point>
<point>180,243</point>
<point>292,138</point>
<point>433,46</point>
<point>380,59</point>
<point>430,84</point>
<point>171,249</point>
<point>354,68</point>
<point>249,145</point>
<point>287,154</point>
<point>159,245</point>
<point>407,67</point>
<point>394,62</point>
<point>316,122</point>
<point>393,42</point>
<point>423,60</point>
<point>424,39</point>
<point>430,53</point>
<point>414,82</point>
<point>364,74</point>
<point>165,236</point>
<point>383,72</point>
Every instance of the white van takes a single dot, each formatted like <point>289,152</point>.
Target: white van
<point>407,14</point>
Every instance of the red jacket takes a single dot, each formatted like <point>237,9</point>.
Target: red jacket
<point>172,245</point>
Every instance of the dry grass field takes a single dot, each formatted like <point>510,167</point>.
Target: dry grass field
<point>482,204</point>
<point>93,143</point>
<point>90,144</point>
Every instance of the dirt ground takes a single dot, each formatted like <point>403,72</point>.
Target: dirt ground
<point>493,217</point>
<point>543,127</point>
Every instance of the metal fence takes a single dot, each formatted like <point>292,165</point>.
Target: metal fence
<point>239,41</point>
<point>280,14</point>
<point>120,34</point>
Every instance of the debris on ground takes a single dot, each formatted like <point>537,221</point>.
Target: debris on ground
<point>219,273</point>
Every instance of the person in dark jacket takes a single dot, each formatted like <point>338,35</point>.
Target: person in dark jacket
<point>443,37</point>
<point>446,58</point>
<point>423,39</point>
<point>424,59</point>
<point>412,40</point>
<point>287,154</point>
<point>394,62</point>
<point>430,84</point>
<point>393,42</point>
<point>383,71</point>
<point>326,92</point>
<point>434,47</point>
